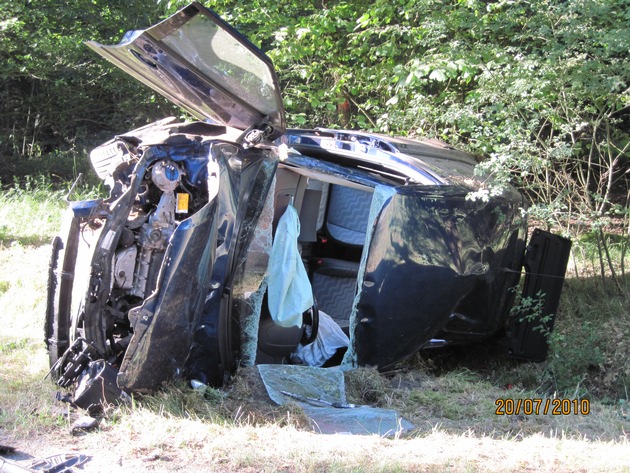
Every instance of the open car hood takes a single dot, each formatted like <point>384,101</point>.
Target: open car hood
<point>199,62</point>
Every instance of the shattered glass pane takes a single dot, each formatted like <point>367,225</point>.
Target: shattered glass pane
<point>250,283</point>
<point>326,384</point>
<point>321,393</point>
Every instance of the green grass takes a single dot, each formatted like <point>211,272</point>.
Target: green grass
<point>26,399</point>
<point>23,272</point>
<point>30,211</point>
<point>30,215</point>
<point>589,348</point>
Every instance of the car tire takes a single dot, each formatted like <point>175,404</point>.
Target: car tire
<point>59,289</point>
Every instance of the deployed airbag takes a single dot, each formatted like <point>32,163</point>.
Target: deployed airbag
<point>289,290</point>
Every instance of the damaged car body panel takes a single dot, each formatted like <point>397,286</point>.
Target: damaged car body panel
<point>165,306</point>
<point>169,276</point>
<point>437,254</point>
<point>199,62</point>
<point>434,265</point>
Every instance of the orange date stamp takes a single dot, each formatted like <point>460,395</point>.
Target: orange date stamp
<point>538,406</point>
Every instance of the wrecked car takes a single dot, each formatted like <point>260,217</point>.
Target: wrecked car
<point>234,241</point>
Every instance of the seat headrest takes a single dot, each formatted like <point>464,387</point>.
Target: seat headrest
<point>348,214</point>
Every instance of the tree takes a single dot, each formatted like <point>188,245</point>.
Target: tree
<point>57,98</point>
<point>540,88</point>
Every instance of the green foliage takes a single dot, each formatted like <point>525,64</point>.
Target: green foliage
<point>531,310</point>
<point>30,213</point>
<point>589,348</point>
<point>541,88</point>
<point>56,96</point>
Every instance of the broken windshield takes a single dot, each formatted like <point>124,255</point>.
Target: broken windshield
<point>220,56</point>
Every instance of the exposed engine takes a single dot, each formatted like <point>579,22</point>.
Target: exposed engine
<point>173,187</point>
<point>144,241</point>
<point>163,201</point>
<point>142,245</point>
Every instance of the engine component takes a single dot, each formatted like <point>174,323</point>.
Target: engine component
<point>132,266</point>
<point>106,158</point>
<point>126,238</point>
<point>166,175</point>
<point>97,386</point>
<point>124,266</point>
<point>76,358</point>
<point>142,273</point>
<point>155,233</point>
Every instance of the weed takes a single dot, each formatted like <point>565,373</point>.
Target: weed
<point>178,400</point>
<point>589,352</point>
<point>530,309</point>
<point>454,396</point>
<point>4,286</point>
<point>8,347</point>
<point>246,403</point>
<point>30,210</point>
<point>366,386</point>
<point>30,214</point>
<point>25,398</point>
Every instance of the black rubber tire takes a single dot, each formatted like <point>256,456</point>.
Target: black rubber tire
<point>51,297</point>
<point>59,289</point>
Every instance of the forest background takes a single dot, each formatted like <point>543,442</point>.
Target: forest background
<point>539,88</point>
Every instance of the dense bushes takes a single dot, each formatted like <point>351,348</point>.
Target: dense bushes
<point>541,88</point>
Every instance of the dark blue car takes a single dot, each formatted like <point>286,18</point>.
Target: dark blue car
<point>234,241</point>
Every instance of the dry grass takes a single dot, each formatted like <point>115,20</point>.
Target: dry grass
<point>461,402</point>
<point>236,429</point>
<point>149,441</point>
<point>23,272</point>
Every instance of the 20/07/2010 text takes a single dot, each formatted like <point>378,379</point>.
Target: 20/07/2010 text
<point>537,406</point>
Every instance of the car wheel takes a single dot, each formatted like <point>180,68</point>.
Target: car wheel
<point>59,290</point>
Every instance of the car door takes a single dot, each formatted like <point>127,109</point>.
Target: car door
<point>199,62</point>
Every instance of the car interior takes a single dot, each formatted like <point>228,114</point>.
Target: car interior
<point>333,215</point>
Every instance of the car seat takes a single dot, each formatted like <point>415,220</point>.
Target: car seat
<point>335,279</point>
